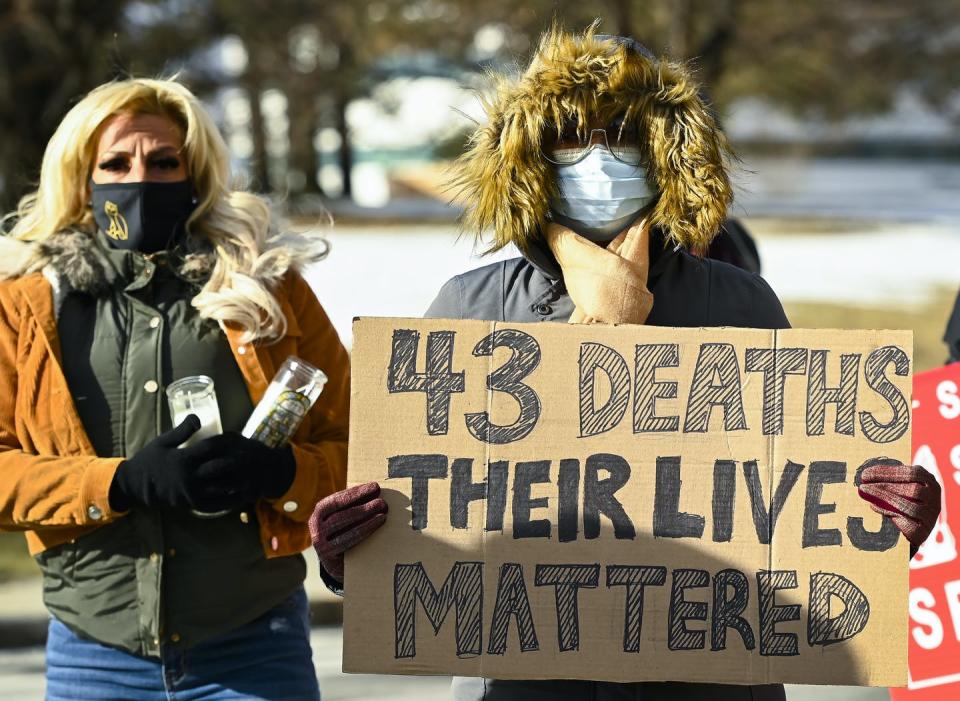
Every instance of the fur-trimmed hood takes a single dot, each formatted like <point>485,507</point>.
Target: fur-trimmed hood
<point>505,182</point>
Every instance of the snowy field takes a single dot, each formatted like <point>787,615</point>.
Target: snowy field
<point>881,189</point>
<point>397,270</point>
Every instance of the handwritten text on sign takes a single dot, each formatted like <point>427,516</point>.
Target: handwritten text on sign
<point>627,503</point>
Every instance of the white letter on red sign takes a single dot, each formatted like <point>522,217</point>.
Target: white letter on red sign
<point>921,600</point>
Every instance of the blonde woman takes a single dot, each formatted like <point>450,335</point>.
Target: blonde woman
<point>132,265</point>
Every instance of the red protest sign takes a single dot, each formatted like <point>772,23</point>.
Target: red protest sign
<point>934,646</point>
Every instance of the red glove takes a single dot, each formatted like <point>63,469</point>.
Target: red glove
<point>344,519</point>
<point>906,493</point>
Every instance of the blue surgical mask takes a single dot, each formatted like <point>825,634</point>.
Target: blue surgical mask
<point>599,195</point>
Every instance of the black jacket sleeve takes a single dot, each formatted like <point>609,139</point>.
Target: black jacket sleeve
<point>767,310</point>
<point>952,335</point>
<point>448,303</point>
<point>732,297</point>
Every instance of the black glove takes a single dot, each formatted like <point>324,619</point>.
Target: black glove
<point>161,474</point>
<point>252,469</point>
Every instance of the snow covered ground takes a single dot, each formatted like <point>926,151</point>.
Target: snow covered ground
<point>396,270</point>
<point>880,265</point>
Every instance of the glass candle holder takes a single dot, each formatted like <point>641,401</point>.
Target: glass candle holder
<point>195,395</point>
<point>288,398</point>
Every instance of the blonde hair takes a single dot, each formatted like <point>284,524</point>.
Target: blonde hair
<point>251,258</point>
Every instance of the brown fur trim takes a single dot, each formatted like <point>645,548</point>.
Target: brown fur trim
<point>507,184</point>
<point>74,258</point>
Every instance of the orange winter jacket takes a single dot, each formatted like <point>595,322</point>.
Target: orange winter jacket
<point>52,484</point>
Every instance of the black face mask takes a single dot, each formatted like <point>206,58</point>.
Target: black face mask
<point>144,216</point>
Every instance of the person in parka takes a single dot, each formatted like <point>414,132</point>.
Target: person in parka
<point>604,167</point>
<point>597,146</point>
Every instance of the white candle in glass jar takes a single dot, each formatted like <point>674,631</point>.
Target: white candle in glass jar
<point>209,415</point>
<point>195,395</point>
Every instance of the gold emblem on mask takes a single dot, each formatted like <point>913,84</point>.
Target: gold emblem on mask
<point>118,225</point>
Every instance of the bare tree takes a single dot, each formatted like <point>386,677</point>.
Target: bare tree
<point>50,52</point>
<point>818,57</point>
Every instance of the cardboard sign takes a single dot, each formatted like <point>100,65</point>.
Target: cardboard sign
<point>934,651</point>
<point>627,503</point>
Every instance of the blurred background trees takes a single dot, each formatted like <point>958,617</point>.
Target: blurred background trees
<point>291,80</point>
<point>50,53</point>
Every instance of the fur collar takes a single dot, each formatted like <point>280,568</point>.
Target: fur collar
<point>72,261</point>
<point>505,182</point>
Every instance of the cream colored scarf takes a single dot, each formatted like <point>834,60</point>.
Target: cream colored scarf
<point>607,285</point>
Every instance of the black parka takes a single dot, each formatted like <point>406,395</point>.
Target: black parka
<point>952,335</point>
<point>687,292</point>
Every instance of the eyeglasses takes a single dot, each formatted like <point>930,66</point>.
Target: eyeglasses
<point>572,144</point>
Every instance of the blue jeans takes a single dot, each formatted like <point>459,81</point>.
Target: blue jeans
<point>268,659</point>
